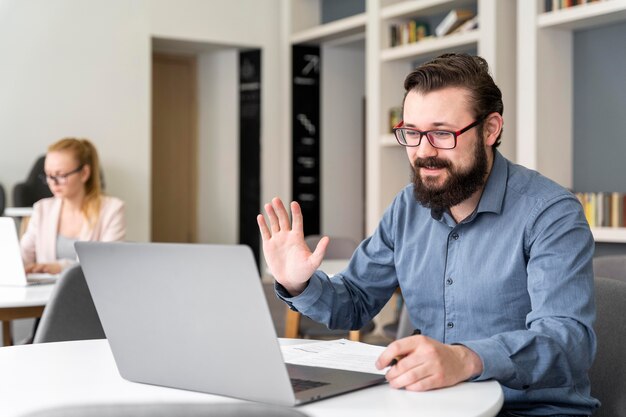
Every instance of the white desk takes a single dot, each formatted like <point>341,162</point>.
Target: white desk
<point>21,215</point>
<point>18,211</point>
<point>35,377</point>
<point>21,303</point>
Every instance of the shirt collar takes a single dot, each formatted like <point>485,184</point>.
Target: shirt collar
<point>493,194</point>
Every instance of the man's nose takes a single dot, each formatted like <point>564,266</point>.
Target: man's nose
<point>425,149</point>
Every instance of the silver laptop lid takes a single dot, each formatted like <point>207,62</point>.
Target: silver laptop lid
<point>187,316</point>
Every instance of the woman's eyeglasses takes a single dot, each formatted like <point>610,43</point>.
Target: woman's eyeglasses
<point>59,179</point>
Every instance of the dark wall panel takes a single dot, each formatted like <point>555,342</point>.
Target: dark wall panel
<point>249,148</point>
<point>306,135</point>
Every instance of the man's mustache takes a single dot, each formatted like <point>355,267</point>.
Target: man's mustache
<point>431,162</point>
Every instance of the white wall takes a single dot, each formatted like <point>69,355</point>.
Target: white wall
<point>76,67</point>
<point>218,147</point>
<point>241,23</point>
<point>343,69</point>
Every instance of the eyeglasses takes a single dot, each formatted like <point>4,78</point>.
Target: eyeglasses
<point>440,139</point>
<point>59,179</point>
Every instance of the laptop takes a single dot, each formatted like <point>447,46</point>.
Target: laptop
<point>11,265</point>
<point>195,317</point>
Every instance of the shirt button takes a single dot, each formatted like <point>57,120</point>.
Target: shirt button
<point>455,236</point>
<point>449,281</point>
<point>450,325</point>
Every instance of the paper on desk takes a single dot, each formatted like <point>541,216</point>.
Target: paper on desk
<point>338,354</point>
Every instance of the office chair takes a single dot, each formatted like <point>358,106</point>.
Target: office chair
<point>338,247</point>
<point>3,200</point>
<point>613,266</point>
<point>297,325</point>
<point>170,410</point>
<point>608,373</point>
<point>70,313</point>
<point>27,193</point>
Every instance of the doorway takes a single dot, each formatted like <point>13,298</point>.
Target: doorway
<point>174,148</point>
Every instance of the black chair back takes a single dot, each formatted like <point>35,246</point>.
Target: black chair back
<point>33,189</point>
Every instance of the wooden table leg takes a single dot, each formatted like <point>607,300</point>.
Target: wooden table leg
<point>292,324</point>
<point>7,339</point>
<point>7,314</point>
<point>355,335</point>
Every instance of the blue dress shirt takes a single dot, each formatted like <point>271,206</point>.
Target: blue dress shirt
<point>513,282</point>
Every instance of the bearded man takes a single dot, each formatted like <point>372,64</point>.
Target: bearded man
<point>493,259</point>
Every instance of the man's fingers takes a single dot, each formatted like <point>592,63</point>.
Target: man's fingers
<point>296,217</point>
<point>399,348</point>
<point>427,383</point>
<point>265,232</point>
<point>318,254</point>
<point>271,215</point>
<point>281,212</point>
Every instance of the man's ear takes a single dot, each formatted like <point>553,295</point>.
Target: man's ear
<point>492,127</point>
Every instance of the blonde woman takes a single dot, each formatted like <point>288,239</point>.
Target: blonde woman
<point>78,209</point>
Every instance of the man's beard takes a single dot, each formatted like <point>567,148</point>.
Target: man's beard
<point>459,185</point>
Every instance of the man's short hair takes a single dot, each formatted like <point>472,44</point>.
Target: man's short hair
<point>464,71</point>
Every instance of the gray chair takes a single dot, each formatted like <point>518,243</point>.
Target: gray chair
<point>338,247</point>
<point>613,266</point>
<point>170,410</point>
<point>70,313</point>
<point>297,325</point>
<point>608,373</point>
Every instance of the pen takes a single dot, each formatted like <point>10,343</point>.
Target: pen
<point>395,360</point>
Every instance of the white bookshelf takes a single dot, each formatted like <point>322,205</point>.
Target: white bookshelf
<point>584,16</point>
<point>609,234</point>
<point>494,39</point>
<point>349,28</point>
<point>433,46</point>
<point>545,87</point>
<point>387,167</point>
<point>408,8</point>
<point>342,89</point>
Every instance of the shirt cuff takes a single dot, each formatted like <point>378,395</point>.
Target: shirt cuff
<point>306,298</point>
<point>496,362</point>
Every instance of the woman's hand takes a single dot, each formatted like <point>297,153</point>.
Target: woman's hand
<point>49,268</point>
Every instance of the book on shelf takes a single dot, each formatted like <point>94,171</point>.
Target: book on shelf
<point>408,32</point>
<point>453,20</point>
<point>551,5</point>
<point>395,117</point>
<point>471,24</point>
<point>604,209</point>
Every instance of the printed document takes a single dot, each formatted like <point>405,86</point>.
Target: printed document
<point>338,354</point>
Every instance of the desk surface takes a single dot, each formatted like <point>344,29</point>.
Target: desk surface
<point>46,375</point>
<point>27,296</point>
<point>18,211</point>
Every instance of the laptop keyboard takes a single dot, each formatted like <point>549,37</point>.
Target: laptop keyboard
<point>300,385</point>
